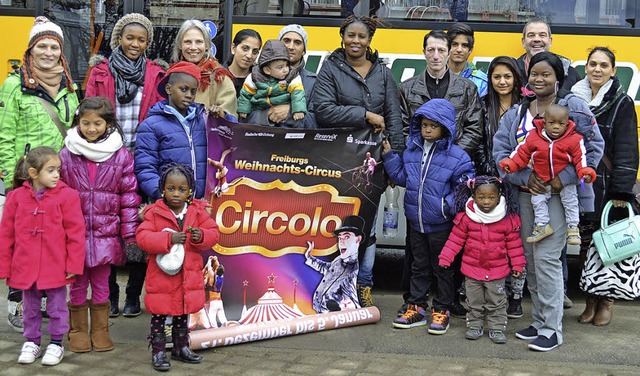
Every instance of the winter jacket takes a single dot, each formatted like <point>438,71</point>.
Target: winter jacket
<point>505,142</point>
<point>341,97</point>
<point>462,94</point>
<point>428,198</point>
<point>110,204</point>
<point>262,95</point>
<point>550,156</point>
<point>571,75</point>
<point>478,77</point>
<point>618,126</point>
<point>163,139</point>
<point>491,250</point>
<point>101,83</point>
<point>23,120</point>
<point>41,240</point>
<point>182,293</point>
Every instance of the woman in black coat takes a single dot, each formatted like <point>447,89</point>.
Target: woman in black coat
<point>618,169</point>
<point>355,90</point>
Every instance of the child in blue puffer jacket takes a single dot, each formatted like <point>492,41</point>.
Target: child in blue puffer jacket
<point>430,169</point>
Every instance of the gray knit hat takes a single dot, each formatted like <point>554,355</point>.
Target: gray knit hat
<point>296,29</point>
<point>127,20</point>
<point>273,50</point>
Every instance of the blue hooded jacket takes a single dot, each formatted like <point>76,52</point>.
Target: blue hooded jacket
<point>428,199</point>
<point>161,139</point>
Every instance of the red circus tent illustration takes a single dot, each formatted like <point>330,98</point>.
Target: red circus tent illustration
<point>270,307</point>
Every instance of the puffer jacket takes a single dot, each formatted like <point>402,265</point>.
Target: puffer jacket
<point>491,250</point>
<point>428,198</point>
<point>41,240</point>
<point>23,120</point>
<point>182,293</point>
<point>163,139</point>
<point>110,204</point>
<point>462,94</point>
<point>505,142</point>
<point>341,97</point>
<point>101,83</point>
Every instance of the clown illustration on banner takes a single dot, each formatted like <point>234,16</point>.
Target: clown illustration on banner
<point>294,208</point>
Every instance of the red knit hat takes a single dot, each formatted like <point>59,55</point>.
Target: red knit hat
<point>180,67</point>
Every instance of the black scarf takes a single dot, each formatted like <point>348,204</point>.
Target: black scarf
<point>128,75</point>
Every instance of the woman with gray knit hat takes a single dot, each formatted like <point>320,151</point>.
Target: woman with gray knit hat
<point>216,91</point>
<point>38,101</point>
<point>129,80</point>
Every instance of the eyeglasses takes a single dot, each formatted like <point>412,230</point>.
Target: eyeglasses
<point>432,126</point>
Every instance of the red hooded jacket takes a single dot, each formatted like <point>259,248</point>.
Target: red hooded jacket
<point>41,240</point>
<point>182,293</point>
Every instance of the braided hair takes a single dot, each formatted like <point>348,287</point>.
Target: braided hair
<point>370,23</point>
<point>468,188</point>
<point>178,169</point>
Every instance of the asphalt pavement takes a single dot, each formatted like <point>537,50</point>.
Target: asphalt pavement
<point>375,349</point>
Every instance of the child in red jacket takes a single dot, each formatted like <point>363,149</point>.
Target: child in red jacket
<point>488,227</point>
<point>42,246</point>
<point>175,221</point>
<point>553,145</point>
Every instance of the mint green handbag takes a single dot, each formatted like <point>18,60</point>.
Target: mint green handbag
<point>620,240</point>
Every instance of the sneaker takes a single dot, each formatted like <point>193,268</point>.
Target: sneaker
<point>401,311</point>
<point>458,311</point>
<point>29,353</point>
<point>114,311</point>
<point>439,322</point>
<point>364,296</point>
<point>15,315</point>
<point>53,355</point>
<point>415,316</point>
<point>539,233</point>
<point>528,334</point>
<point>543,343</point>
<point>573,235</point>
<point>514,310</point>
<point>474,332</point>
<point>131,308</point>
<point>567,303</point>
<point>497,336</point>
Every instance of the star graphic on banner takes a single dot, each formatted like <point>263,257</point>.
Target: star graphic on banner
<point>245,283</point>
<point>295,282</point>
<point>271,279</point>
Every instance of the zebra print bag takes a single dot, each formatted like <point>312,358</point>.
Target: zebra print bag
<point>620,280</point>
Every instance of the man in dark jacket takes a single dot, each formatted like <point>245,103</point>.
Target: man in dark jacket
<point>536,37</point>
<point>437,81</point>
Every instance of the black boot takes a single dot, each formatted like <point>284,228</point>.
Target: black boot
<point>181,350</point>
<point>159,359</point>
<point>114,299</point>
<point>131,307</point>
<point>514,310</point>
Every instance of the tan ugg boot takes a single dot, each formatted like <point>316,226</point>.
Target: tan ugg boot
<point>79,328</point>
<point>589,311</point>
<point>100,327</point>
<point>605,312</point>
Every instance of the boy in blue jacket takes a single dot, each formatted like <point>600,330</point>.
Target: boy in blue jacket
<point>174,131</point>
<point>430,169</point>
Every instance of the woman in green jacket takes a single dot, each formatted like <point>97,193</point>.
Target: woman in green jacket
<point>37,102</point>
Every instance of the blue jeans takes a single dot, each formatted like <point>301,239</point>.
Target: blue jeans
<point>365,273</point>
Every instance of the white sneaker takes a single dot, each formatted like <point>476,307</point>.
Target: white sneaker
<point>30,352</point>
<point>53,355</point>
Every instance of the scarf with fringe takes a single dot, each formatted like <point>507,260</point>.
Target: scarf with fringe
<point>211,67</point>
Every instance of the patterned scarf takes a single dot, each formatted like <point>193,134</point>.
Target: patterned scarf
<point>128,74</point>
<point>604,99</point>
<point>211,67</point>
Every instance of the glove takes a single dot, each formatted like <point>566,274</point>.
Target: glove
<point>587,171</point>
<point>508,165</point>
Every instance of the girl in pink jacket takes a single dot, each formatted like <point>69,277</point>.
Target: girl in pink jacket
<point>488,227</point>
<point>42,248</point>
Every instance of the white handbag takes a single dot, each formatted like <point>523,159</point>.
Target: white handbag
<point>171,263</point>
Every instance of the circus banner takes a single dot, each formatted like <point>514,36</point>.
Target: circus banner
<point>294,208</point>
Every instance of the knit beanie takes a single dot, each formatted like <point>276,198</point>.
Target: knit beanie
<point>128,20</point>
<point>43,28</point>
<point>273,50</point>
<point>296,29</point>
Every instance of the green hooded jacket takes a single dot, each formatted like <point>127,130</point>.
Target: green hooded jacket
<point>24,120</point>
